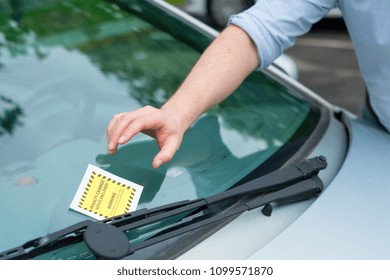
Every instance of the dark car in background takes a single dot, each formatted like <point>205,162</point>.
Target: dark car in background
<point>67,66</point>
<point>216,11</point>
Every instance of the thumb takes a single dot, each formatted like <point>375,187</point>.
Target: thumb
<point>166,153</point>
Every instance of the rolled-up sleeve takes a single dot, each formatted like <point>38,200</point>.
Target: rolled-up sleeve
<point>274,25</point>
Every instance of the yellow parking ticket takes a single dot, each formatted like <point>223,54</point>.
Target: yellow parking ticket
<point>102,194</point>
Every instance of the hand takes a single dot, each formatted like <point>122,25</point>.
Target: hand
<point>156,123</point>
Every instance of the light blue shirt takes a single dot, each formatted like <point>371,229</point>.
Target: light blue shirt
<point>275,24</point>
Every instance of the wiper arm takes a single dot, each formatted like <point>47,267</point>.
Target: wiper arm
<point>300,191</point>
<point>106,239</point>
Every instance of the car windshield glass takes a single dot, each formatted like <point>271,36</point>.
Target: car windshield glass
<point>66,67</point>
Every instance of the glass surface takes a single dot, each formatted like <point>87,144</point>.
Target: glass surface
<point>66,67</point>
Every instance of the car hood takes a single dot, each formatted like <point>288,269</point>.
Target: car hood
<point>351,219</point>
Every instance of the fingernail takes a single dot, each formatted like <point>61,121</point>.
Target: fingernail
<point>121,139</point>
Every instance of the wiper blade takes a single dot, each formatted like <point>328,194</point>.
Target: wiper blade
<point>106,238</point>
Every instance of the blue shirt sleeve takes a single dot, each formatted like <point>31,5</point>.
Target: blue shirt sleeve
<point>274,25</point>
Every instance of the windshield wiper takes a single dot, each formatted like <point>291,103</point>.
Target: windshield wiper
<point>107,240</point>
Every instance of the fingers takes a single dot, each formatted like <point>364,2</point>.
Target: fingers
<point>133,128</point>
<point>168,150</point>
<point>111,135</point>
<point>129,122</point>
<point>154,122</point>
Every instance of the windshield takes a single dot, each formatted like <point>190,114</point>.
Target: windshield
<point>67,66</point>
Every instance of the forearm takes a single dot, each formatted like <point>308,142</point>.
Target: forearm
<point>219,71</point>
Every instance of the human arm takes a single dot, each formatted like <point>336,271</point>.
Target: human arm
<point>274,25</point>
<point>264,31</point>
<point>218,72</point>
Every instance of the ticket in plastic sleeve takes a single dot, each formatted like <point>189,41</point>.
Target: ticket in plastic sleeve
<point>103,195</point>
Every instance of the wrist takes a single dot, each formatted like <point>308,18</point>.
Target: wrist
<point>184,115</point>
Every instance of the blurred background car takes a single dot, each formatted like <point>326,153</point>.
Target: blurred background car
<point>68,66</point>
<point>217,12</point>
